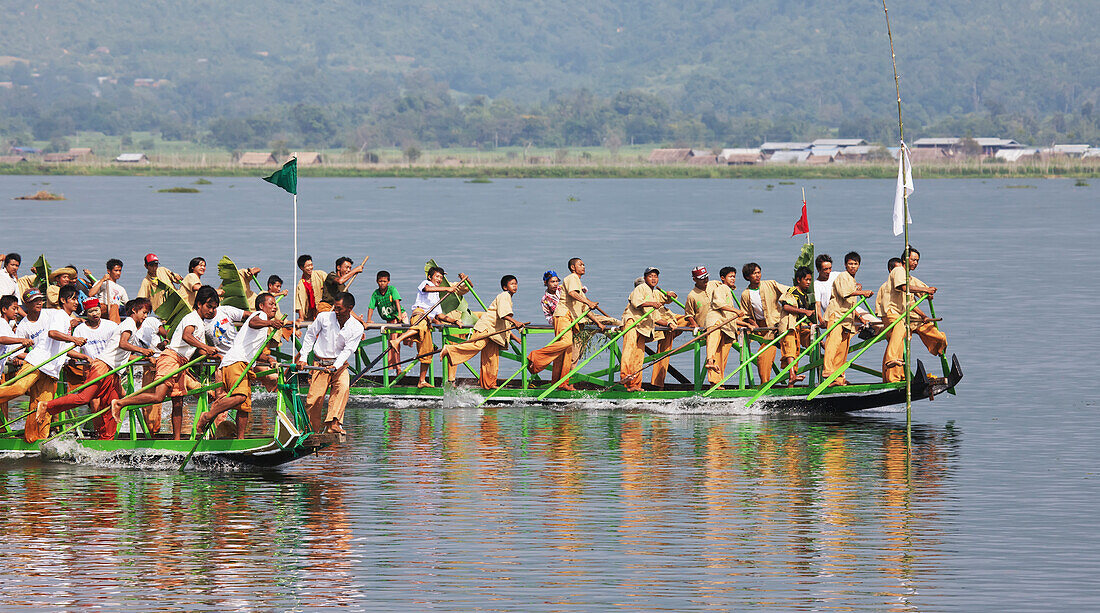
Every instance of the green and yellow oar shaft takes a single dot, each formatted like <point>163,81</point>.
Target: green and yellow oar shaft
<point>750,360</point>
<point>37,366</point>
<point>552,341</point>
<point>817,390</point>
<point>613,340</point>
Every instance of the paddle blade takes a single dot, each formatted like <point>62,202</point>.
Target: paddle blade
<point>41,273</point>
<point>233,284</point>
<point>174,308</point>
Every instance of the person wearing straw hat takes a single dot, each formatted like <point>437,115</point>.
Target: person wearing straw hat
<point>114,354</point>
<point>49,331</point>
<point>644,298</point>
<point>58,279</point>
<point>155,272</point>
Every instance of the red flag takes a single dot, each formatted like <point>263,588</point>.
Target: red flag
<point>802,226</point>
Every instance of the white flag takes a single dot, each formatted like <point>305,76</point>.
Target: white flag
<point>904,190</point>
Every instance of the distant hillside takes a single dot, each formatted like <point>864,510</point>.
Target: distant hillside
<point>349,63</point>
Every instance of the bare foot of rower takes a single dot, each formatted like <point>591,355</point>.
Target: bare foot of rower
<point>204,421</point>
<point>116,410</point>
<point>40,411</point>
<point>424,384</point>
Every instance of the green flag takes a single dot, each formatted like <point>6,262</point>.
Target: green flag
<point>173,309</point>
<point>453,302</point>
<point>806,258</point>
<point>42,272</point>
<point>286,177</point>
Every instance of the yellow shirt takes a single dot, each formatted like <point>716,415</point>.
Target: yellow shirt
<point>569,306</point>
<point>843,299</point>
<point>721,295</point>
<point>642,294</point>
<point>770,291</point>
<point>53,296</point>
<point>25,283</point>
<point>493,319</point>
<point>188,281</point>
<point>301,299</point>
<point>148,287</point>
<point>697,303</point>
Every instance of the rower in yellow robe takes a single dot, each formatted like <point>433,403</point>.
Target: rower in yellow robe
<point>155,272</point>
<point>499,317</point>
<point>893,360</point>
<point>796,303</point>
<point>307,294</point>
<point>846,293</point>
<point>761,301</point>
<point>665,339</point>
<point>644,298</point>
<point>572,305</point>
<point>720,340</point>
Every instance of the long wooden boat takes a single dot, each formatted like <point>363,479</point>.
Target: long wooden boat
<point>692,388</point>
<point>288,440</point>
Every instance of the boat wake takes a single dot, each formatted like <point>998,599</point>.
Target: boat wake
<point>68,450</point>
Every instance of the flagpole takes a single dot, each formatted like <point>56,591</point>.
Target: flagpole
<point>905,251</point>
<point>807,215</point>
<point>294,264</point>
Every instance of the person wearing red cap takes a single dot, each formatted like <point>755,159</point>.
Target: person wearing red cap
<point>155,272</point>
<point>114,353</point>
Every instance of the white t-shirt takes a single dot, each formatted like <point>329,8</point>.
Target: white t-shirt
<point>44,346</point>
<point>5,330</point>
<point>99,338</point>
<point>221,326</point>
<point>424,299</point>
<point>112,355</point>
<point>177,343</point>
<point>147,334</point>
<point>112,293</point>
<point>757,306</point>
<point>823,290</point>
<point>9,285</point>
<point>247,342</point>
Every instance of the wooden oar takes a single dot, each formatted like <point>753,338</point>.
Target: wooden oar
<point>613,340</point>
<point>244,373</point>
<point>386,349</point>
<point>364,263</point>
<point>20,376</point>
<point>749,360</point>
<point>840,371</point>
<point>524,358</point>
<point>657,357</point>
<point>469,340</point>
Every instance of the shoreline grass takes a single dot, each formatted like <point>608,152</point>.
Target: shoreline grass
<point>1073,170</point>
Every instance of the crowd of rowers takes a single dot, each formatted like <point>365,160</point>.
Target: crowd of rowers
<point>99,324</point>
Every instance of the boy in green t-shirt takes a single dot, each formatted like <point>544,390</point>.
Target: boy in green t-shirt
<point>388,303</point>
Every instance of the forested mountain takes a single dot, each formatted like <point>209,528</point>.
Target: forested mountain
<point>565,72</point>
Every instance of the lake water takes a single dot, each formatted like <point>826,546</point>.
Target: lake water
<point>534,509</point>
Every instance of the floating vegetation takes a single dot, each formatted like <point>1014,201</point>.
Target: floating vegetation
<point>1081,183</point>
<point>41,195</point>
<point>202,181</point>
<point>388,187</point>
<point>1021,187</point>
<point>519,187</point>
<point>337,197</point>
<point>758,210</point>
<point>479,180</point>
<point>573,198</point>
<point>769,186</point>
<point>786,182</point>
<point>178,190</point>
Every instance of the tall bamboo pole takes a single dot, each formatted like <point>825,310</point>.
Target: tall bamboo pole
<point>905,251</point>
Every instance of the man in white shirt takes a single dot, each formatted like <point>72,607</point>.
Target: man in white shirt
<point>49,330</point>
<point>247,343</point>
<point>428,307</point>
<point>823,284</point>
<point>112,296</point>
<point>9,276</point>
<point>332,338</point>
<point>114,354</point>
<point>9,311</point>
<point>186,338</point>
